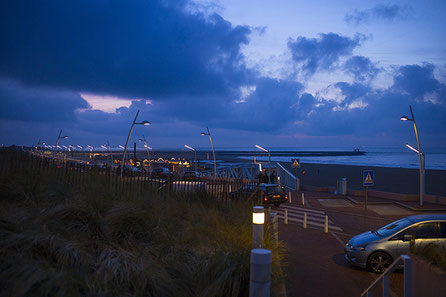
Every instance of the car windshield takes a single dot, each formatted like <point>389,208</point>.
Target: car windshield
<point>393,227</point>
<point>277,190</point>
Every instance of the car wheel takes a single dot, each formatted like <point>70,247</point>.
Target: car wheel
<point>378,262</point>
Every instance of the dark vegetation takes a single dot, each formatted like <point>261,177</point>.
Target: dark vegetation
<point>59,239</point>
<point>433,253</point>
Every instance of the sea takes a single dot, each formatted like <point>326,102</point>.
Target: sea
<point>381,157</point>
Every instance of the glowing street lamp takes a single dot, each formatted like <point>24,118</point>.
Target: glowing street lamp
<point>148,152</point>
<point>57,142</point>
<point>191,148</point>
<point>420,154</point>
<point>144,123</point>
<point>269,161</point>
<point>213,151</point>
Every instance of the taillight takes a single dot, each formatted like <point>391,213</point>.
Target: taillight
<point>286,197</point>
<point>266,198</point>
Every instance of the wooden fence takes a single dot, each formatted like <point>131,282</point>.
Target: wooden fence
<point>82,175</point>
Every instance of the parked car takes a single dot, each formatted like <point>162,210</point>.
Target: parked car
<point>161,172</point>
<point>377,249</point>
<point>131,171</point>
<point>191,175</point>
<point>270,193</point>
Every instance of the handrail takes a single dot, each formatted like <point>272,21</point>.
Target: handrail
<point>384,278</point>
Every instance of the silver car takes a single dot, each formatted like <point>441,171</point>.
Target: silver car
<point>376,249</point>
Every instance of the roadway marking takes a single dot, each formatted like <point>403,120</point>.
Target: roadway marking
<point>338,239</point>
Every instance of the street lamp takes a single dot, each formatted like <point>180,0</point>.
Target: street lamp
<point>148,153</point>
<point>420,154</point>
<point>269,161</point>
<point>191,148</point>
<point>57,142</point>
<point>145,123</point>
<point>213,152</point>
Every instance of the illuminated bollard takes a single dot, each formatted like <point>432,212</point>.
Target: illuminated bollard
<point>260,273</point>
<point>289,197</point>
<point>286,216</point>
<point>326,224</point>
<point>303,199</point>
<point>258,221</point>
<point>305,220</point>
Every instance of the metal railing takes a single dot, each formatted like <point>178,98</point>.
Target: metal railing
<point>385,280</point>
<point>286,178</point>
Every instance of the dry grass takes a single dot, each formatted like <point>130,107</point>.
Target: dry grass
<point>58,241</point>
<point>434,253</point>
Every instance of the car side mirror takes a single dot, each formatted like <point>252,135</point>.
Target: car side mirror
<point>407,237</point>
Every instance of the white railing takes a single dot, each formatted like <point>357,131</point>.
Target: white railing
<point>286,178</point>
<point>384,278</point>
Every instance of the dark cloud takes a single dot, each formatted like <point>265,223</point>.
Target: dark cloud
<point>38,104</point>
<point>150,49</point>
<point>378,12</point>
<point>362,68</point>
<point>324,52</point>
<point>416,80</point>
<point>352,92</point>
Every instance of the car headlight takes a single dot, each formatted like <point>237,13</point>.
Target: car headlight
<point>358,248</point>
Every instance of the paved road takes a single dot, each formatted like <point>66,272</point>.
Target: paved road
<point>316,263</point>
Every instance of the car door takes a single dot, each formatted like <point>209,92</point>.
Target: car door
<point>422,234</point>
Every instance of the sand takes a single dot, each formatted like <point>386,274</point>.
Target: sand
<point>387,179</point>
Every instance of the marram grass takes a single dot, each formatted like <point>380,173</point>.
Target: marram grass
<point>58,241</point>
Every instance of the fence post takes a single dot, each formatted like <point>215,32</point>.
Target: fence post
<point>303,199</point>
<point>286,216</point>
<point>289,197</point>
<point>305,220</point>
<point>260,273</point>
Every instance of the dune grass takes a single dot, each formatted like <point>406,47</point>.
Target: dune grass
<point>56,240</point>
<point>433,253</point>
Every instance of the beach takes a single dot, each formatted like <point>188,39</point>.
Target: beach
<point>387,179</point>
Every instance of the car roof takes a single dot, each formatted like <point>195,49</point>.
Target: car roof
<point>426,217</point>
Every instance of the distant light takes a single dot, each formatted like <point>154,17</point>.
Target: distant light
<point>263,149</point>
<point>145,123</point>
<point>121,146</point>
<point>191,148</point>
<point>65,136</point>
<point>404,118</point>
<point>146,146</point>
<point>202,133</point>
<point>412,148</point>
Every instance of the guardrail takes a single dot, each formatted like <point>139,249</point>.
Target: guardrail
<point>384,278</point>
<point>286,178</point>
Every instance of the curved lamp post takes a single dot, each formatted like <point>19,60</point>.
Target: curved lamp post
<point>58,138</point>
<point>213,152</point>
<point>145,123</point>
<point>420,154</point>
<point>191,148</point>
<point>269,161</point>
<point>148,152</point>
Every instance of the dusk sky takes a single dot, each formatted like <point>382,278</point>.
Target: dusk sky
<point>283,73</point>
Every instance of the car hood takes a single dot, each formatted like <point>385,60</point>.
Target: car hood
<point>365,237</point>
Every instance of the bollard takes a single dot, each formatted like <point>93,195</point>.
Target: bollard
<point>305,220</point>
<point>286,216</point>
<point>303,199</point>
<point>260,273</point>
<point>275,224</point>
<point>269,210</point>
<point>258,221</point>
<point>289,197</point>
<point>326,224</point>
